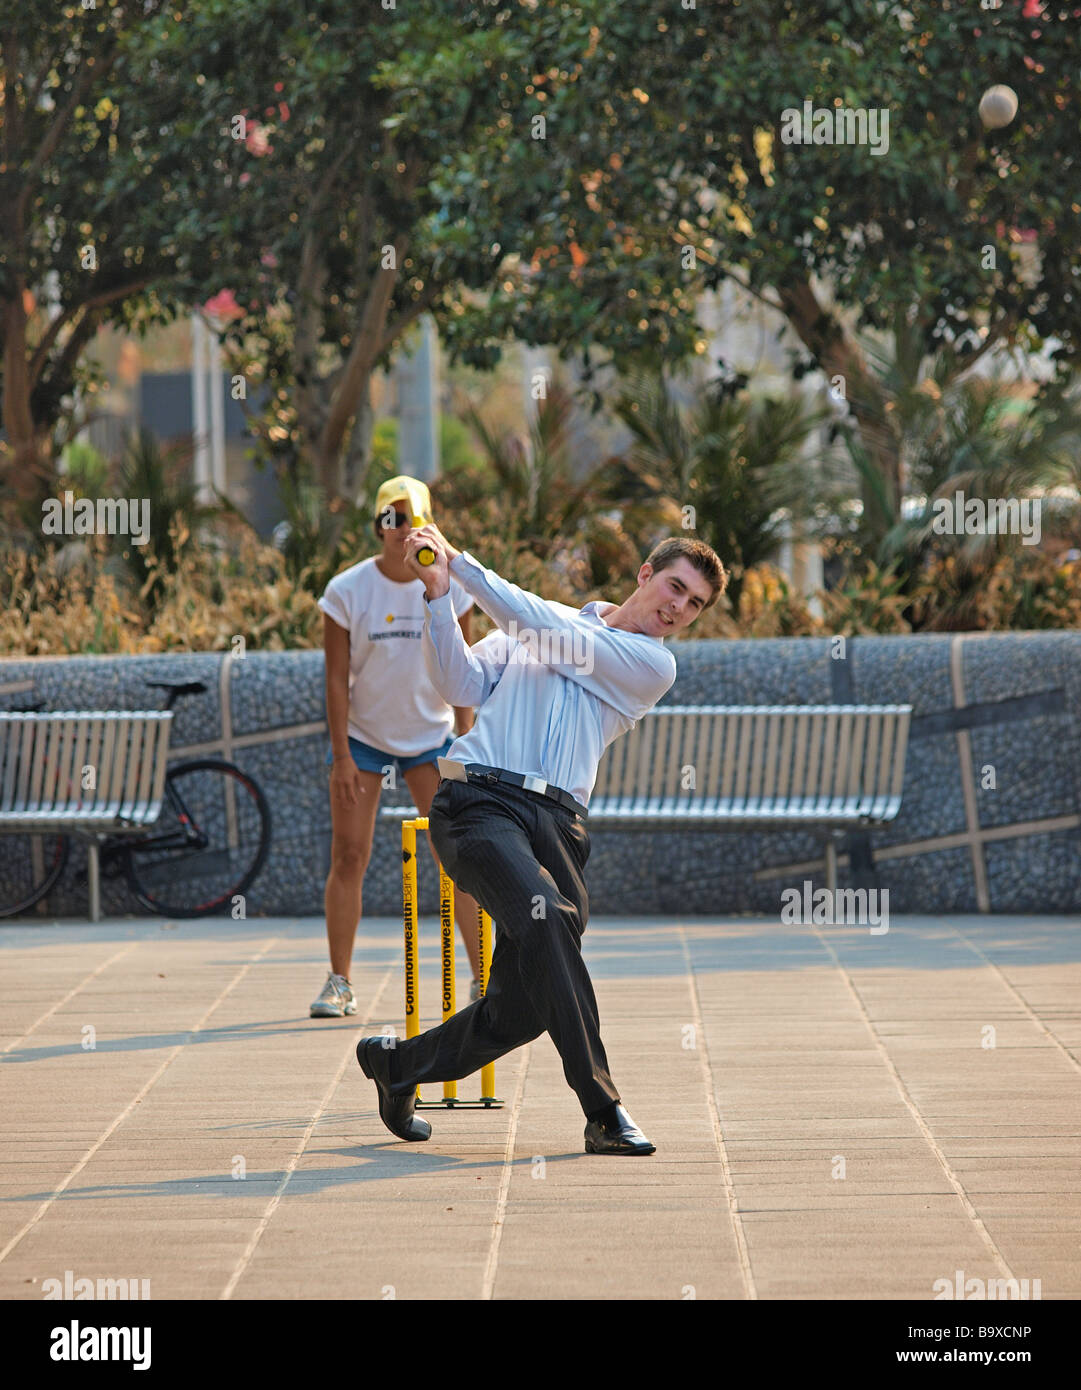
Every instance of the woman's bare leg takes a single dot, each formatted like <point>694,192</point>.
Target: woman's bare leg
<point>353,827</point>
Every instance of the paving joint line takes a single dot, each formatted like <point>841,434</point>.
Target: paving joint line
<point>715,1120</point>
<point>70,995</point>
<point>500,1220</point>
<point>265,1219</point>
<point>132,1104</point>
<point>1035,1018</point>
<point>925,1129</point>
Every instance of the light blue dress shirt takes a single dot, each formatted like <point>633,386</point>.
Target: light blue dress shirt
<point>552,685</point>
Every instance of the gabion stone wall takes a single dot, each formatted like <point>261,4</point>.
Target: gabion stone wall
<point>991,817</point>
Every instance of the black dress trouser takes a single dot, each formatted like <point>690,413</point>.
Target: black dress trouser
<point>522,856</point>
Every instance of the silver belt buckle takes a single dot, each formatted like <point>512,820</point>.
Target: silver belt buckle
<point>535,784</point>
<point>455,771</point>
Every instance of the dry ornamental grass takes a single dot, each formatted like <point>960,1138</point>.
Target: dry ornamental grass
<point>80,598</point>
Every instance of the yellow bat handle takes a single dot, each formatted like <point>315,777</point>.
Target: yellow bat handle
<point>426,555</point>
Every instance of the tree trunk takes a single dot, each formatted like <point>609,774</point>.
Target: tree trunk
<point>31,473</point>
<point>881,505</point>
<point>355,463</point>
<point>839,356</point>
<point>340,472</point>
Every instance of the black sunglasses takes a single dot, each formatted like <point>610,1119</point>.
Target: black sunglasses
<point>401,519</point>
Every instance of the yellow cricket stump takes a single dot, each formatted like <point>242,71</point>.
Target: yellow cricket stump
<point>412,963</point>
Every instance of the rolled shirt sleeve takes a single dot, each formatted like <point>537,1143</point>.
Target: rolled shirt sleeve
<point>333,605</point>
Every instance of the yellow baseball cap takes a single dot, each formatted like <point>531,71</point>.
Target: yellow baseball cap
<point>412,492</point>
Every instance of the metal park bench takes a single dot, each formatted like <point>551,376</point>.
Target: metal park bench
<point>96,774</point>
<point>819,767</point>
<point>827,768</point>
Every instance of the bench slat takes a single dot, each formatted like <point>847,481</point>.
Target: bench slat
<point>744,734</point>
<point>784,755</point>
<point>712,767</point>
<point>774,729</point>
<point>37,750</point>
<point>799,756</point>
<point>95,735</point>
<point>133,770</point>
<point>118,766</point>
<point>660,749</point>
<point>46,767</point>
<point>729,731</point>
<point>875,731</point>
<point>78,757</point>
<point>899,759</point>
<point>815,750</point>
<point>161,758</point>
<point>833,788</point>
<point>106,766</point>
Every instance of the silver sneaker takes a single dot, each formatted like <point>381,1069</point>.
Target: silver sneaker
<point>474,991</point>
<point>336,1000</point>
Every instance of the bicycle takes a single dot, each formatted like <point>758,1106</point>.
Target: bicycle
<point>207,847</point>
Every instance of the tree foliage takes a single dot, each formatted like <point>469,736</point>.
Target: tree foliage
<point>973,234</point>
<point>84,226</point>
<point>572,174</point>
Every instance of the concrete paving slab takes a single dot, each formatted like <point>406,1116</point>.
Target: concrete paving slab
<point>215,1141</point>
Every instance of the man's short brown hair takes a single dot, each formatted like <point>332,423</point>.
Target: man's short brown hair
<point>701,556</point>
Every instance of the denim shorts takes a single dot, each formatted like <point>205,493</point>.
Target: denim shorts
<point>370,759</point>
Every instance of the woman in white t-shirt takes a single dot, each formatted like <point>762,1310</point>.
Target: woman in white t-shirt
<point>383,713</point>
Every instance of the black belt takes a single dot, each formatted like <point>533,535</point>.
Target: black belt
<point>478,773</point>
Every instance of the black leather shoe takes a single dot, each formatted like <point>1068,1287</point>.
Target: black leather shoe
<point>396,1112</point>
<point>618,1136</point>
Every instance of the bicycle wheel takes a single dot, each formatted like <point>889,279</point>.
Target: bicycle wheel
<point>31,865</point>
<point>207,847</point>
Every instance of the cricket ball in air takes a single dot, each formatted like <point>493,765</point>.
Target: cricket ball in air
<point>998,107</point>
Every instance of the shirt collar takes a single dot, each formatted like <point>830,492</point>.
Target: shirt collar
<point>592,607</point>
<point>591,610</point>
